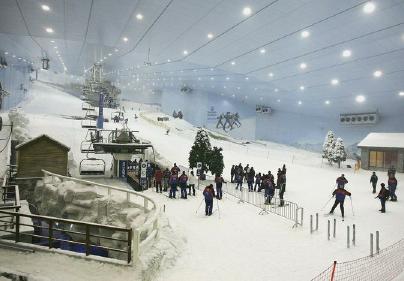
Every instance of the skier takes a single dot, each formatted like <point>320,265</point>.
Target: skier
<point>219,184</point>
<point>209,194</point>
<point>339,194</point>
<point>373,181</point>
<point>158,175</point>
<point>391,172</point>
<point>392,184</point>
<point>284,169</point>
<point>175,169</point>
<point>278,176</point>
<point>173,185</point>
<point>282,188</point>
<point>383,196</point>
<point>239,181</point>
<point>341,181</point>
<point>246,171</point>
<point>257,182</point>
<point>232,173</point>
<point>191,183</point>
<point>166,178</point>
<point>269,190</point>
<point>250,179</point>
<point>183,185</point>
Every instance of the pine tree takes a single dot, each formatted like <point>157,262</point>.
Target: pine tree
<point>216,164</point>
<point>200,151</point>
<point>328,146</point>
<point>339,153</point>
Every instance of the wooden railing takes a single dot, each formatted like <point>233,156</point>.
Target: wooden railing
<point>142,235</point>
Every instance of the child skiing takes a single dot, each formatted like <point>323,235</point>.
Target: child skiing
<point>209,194</point>
<point>339,194</point>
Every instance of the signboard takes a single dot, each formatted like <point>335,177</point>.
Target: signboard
<point>263,109</point>
<point>143,168</point>
<point>198,168</point>
<point>123,168</point>
<point>212,114</point>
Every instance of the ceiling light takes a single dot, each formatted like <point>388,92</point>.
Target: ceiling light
<point>303,65</point>
<point>270,74</point>
<point>299,102</point>
<point>360,98</point>
<point>247,11</point>
<point>45,8</point>
<point>263,51</point>
<point>305,34</point>
<point>233,63</point>
<point>14,56</point>
<point>278,100</point>
<point>246,78</point>
<point>327,102</point>
<point>168,60</point>
<point>125,39</point>
<point>109,54</point>
<point>139,16</point>
<point>346,53</point>
<point>369,7</point>
<point>185,52</point>
<point>55,47</point>
<point>210,35</point>
<point>49,30</point>
<point>212,78</point>
<point>377,73</point>
<point>276,90</point>
<point>116,50</point>
<point>334,82</point>
<point>401,94</point>
<point>227,78</point>
<point>302,88</point>
<point>52,41</point>
<point>6,53</point>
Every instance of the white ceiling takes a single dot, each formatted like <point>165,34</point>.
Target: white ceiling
<point>86,31</point>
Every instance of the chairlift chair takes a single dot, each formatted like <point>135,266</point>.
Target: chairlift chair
<point>92,167</point>
<point>86,147</point>
<point>87,106</point>
<point>91,115</point>
<point>88,124</point>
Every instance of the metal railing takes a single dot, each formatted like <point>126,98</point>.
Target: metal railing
<point>10,197</point>
<point>54,233</point>
<point>143,234</point>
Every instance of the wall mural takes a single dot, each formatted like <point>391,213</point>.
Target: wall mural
<point>228,121</point>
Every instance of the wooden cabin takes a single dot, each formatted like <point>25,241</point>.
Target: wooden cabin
<point>40,153</point>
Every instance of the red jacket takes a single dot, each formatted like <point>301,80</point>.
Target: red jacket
<point>158,175</point>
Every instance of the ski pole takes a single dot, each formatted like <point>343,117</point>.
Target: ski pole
<point>353,213</point>
<point>199,207</point>
<point>326,203</point>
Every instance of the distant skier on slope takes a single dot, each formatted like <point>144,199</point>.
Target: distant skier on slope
<point>209,194</point>
<point>373,181</point>
<point>339,194</point>
<point>341,181</point>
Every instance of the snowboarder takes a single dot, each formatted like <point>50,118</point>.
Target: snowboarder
<point>219,184</point>
<point>183,185</point>
<point>341,181</point>
<point>209,194</point>
<point>392,184</point>
<point>173,185</point>
<point>158,175</point>
<point>383,196</point>
<point>191,183</point>
<point>257,182</point>
<point>250,179</point>
<point>339,194</point>
<point>373,181</point>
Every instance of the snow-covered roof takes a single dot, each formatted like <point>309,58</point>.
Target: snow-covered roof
<point>39,137</point>
<point>391,140</point>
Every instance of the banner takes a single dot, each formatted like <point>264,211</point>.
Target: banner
<point>123,168</point>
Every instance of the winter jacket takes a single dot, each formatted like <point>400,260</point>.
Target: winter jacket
<point>341,182</point>
<point>175,170</point>
<point>192,180</point>
<point>158,175</point>
<point>174,179</point>
<point>374,179</point>
<point>383,194</point>
<point>209,193</point>
<point>149,171</point>
<point>340,194</point>
<point>219,182</point>
<point>392,182</point>
<point>183,179</point>
<point>167,174</point>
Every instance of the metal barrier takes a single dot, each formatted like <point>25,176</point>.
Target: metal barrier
<point>51,232</point>
<point>10,197</point>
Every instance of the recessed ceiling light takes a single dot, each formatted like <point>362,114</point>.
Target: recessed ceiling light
<point>369,7</point>
<point>377,73</point>
<point>109,54</point>
<point>45,8</point>
<point>401,94</point>
<point>227,78</point>
<point>327,102</point>
<point>52,41</point>
<point>49,30</point>
<point>278,100</point>
<point>263,51</point>
<point>276,90</point>
<point>246,78</point>
<point>305,34</point>
<point>360,98</point>
<point>125,39</point>
<point>303,65</point>
<point>301,88</point>
<point>168,60</point>
<point>346,53</point>
<point>334,82</point>
<point>185,52</point>
<point>139,16</point>
<point>270,74</point>
<point>247,11</point>
<point>210,35</point>
<point>116,50</point>
<point>299,102</point>
<point>233,63</point>
<point>6,53</point>
<point>212,78</point>
<point>55,47</point>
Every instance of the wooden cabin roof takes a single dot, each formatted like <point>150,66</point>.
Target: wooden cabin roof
<point>34,140</point>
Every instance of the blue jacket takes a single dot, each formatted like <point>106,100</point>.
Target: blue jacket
<point>340,194</point>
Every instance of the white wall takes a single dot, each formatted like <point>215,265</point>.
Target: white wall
<point>11,79</point>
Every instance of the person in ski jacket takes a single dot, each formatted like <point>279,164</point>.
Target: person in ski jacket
<point>239,181</point>
<point>383,196</point>
<point>250,179</point>
<point>282,188</point>
<point>269,189</point>
<point>149,175</point>
<point>175,169</point>
<point>339,194</point>
<point>341,181</point>
<point>158,176</point>
<point>257,182</point>
<point>232,173</point>
<point>173,185</point>
<point>166,178</point>
<point>219,184</point>
<point>278,175</point>
<point>284,169</point>
<point>192,181</point>
<point>391,172</point>
<point>209,194</point>
<point>373,181</point>
<point>392,184</point>
<point>183,179</point>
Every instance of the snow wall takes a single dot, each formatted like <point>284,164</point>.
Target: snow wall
<point>13,80</point>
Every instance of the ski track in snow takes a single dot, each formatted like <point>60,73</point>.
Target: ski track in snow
<point>241,245</point>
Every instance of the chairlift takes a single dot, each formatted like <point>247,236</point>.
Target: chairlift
<point>88,124</point>
<point>87,106</point>
<point>86,147</point>
<point>92,167</point>
<point>91,115</point>
<point>117,116</point>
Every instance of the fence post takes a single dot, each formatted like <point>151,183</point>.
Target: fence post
<point>50,233</point>
<point>311,224</point>
<point>17,228</point>
<point>335,228</point>
<point>377,242</point>
<point>316,221</point>
<point>130,245</point>
<point>333,271</point>
<point>348,240</point>
<point>371,244</point>
<point>353,235</point>
<point>329,230</point>
<point>87,240</point>
<point>164,208</point>
<point>302,216</point>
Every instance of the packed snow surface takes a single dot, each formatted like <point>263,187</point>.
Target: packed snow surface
<point>240,245</point>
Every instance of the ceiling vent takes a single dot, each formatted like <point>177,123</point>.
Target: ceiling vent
<point>359,118</point>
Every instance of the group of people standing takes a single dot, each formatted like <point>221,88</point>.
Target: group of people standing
<point>385,193</point>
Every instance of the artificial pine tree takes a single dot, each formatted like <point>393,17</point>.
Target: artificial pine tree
<point>339,153</point>
<point>216,164</point>
<point>328,147</point>
<point>200,151</point>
